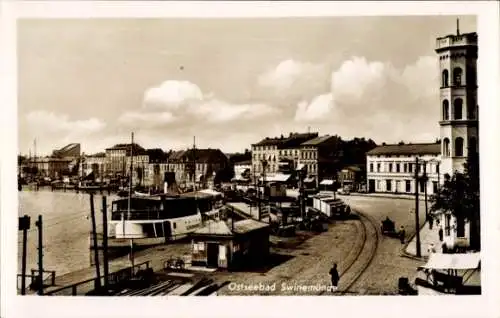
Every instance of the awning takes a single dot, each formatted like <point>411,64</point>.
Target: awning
<point>211,192</point>
<point>276,178</point>
<point>326,182</point>
<point>307,180</point>
<point>453,261</point>
<point>300,166</point>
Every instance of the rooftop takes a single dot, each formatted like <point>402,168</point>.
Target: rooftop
<point>223,228</point>
<point>318,140</point>
<point>293,140</point>
<point>407,149</point>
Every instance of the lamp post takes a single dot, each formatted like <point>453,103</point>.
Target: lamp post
<point>261,196</point>
<point>417,223</point>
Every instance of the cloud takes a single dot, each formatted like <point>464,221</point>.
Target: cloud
<point>42,122</point>
<point>139,119</point>
<point>293,80</point>
<point>317,109</point>
<point>171,95</point>
<point>378,100</point>
<point>215,110</point>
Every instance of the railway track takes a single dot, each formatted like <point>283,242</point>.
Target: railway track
<point>361,257</point>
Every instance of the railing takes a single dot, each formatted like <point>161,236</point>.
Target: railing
<point>35,276</point>
<point>92,284</point>
<point>136,215</point>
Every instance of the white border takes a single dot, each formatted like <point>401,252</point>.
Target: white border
<point>488,96</point>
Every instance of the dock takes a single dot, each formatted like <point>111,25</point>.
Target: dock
<point>156,257</point>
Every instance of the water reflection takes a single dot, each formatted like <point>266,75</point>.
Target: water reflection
<point>66,228</point>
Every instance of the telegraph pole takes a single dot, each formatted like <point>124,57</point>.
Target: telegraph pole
<point>39,224</point>
<point>24,225</point>
<point>94,236</point>
<point>417,223</point>
<point>425,191</point>
<point>105,241</point>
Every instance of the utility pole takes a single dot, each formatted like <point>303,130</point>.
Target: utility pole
<point>24,225</point>
<point>94,237</point>
<point>105,242</point>
<point>39,224</point>
<point>417,223</point>
<point>425,191</point>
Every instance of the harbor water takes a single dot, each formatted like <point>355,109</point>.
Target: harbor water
<point>66,227</point>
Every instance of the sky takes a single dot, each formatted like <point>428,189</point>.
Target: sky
<point>229,82</point>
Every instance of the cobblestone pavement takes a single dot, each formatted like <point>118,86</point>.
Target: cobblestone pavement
<point>388,265</point>
<point>309,265</point>
<point>312,261</point>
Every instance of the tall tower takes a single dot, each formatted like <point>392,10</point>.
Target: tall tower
<point>458,96</point>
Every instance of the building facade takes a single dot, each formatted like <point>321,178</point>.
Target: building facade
<point>458,95</point>
<point>391,168</point>
<point>459,120</point>
<point>93,164</point>
<point>116,157</point>
<point>281,154</point>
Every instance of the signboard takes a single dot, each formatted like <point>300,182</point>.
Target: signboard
<point>24,223</point>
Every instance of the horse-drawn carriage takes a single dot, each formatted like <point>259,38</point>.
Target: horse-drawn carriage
<point>388,227</point>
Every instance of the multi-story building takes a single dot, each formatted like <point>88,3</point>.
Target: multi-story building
<point>197,166</point>
<point>459,119</point>
<point>320,158</point>
<point>116,157</point>
<point>53,168</point>
<point>93,164</point>
<point>391,168</point>
<point>281,154</point>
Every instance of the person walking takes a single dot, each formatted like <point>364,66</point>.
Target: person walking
<point>402,234</point>
<point>335,277</point>
<point>440,233</point>
<point>431,222</point>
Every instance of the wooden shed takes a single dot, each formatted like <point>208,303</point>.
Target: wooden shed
<point>231,245</point>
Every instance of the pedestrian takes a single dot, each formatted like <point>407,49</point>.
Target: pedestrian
<point>440,233</point>
<point>335,277</point>
<point>431,221</point>
<point>431,249</point>
<point>402,234</point>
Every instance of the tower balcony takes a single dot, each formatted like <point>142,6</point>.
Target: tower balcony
<point>460,40</point>
<point>459,122</point>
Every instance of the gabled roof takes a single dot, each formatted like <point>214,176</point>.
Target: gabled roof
<point>202,155</point>
<point>214,228</point>
<point>291,141</point>
<point>136,148</point>
<point>407,149</point>
<point>318,140</point>
<point>248,225</point>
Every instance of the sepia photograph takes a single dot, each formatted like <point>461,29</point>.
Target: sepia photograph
<point>258,156</point>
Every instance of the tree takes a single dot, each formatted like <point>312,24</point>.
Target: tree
<point>459,195</point>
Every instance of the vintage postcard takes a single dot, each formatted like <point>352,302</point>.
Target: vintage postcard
<point>257,149</point>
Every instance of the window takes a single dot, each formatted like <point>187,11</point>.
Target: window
<point>446,147</point>
<point>446,110</point>
<point>472,145</point>
<point>460,227</point>
<point>445,78</point>
<point>397,167</point>
<point>175,225</point>
<point>434,187</point>
<point>371,167</point>
<point>408,185</point>
<point>390,167</point>
<point>410,168</point>
<point>457,108</point>
<point>437,167</point>
<point>378,167</point>
<point>421,185</point>
<point>457,76</point>
<point>459,147</point>
<point>405,167</point>
<point>388,184</point>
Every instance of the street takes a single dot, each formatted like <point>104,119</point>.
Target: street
<point>311,262</point>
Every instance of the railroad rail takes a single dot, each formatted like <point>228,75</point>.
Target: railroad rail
<point>361,257</point>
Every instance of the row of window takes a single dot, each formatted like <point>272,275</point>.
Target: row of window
<point>457,110</point>
<point>405,167</point>
<point>407,183</point>
<point>312,168</point>
<point>458,146</point>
